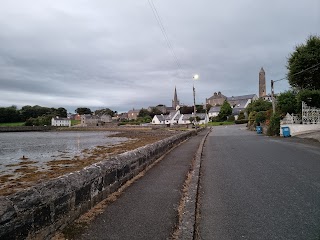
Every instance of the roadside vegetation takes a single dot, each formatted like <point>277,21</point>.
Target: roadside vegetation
<point>14,124</point>
<point>220,123</point>
<point>303,74</point>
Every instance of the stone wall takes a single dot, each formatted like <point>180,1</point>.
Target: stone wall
<point>38,212</point>
<point>297,129</point>
<point>26,128</point>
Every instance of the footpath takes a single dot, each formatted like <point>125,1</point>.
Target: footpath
<point>149,208</point>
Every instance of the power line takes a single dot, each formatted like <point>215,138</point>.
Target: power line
<point>164,32</point>
<point>298,72</point>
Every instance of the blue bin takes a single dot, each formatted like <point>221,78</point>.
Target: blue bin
<point>286,131</point>
<point>259,129</point>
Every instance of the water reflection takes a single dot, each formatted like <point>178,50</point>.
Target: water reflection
<point>42,147</point>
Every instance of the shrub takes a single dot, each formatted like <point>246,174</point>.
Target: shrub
<point>252,118</point>
<point>260,117</point>
<point>241,116</point>
<point>274,126</point>
<point>231,118</point>
<point>241,121</point>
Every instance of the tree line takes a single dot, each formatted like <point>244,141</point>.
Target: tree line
<point>28,114</point>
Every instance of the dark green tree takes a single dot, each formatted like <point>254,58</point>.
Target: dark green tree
<point>61,112</point>
<point>310,97</point>
<point>287,103</point>
<point>144,113</point>
<point>225,111</point>
<point>305,56</point>
<point>200,109</point>
<point>258,106</point>
<point>35,111</point>
<point>155,111</point>
<point>83,110</point>
<point>9,114</point>
<point>186,110</point>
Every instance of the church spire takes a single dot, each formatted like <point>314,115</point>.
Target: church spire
<point>175,101</point>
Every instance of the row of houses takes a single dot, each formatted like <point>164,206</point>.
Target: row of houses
<point>176,118</point>
<point>86,120</point>
<point>237,103</point>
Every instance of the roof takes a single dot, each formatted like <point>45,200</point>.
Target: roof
<point>217,96</point>
<point>177,117</point>
<point>214,109</point>
<point>59,118</point>
<point>241,103</point>
<point>171,114</point>
<point>160,117</point>
<point>202,116</point>
<point>236,111</point>
<point>88,116</point>
<point>249,96</point>
<point>133,111</point>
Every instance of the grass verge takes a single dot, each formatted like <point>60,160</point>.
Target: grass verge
<point>220,123</point>
<point>15,124</point>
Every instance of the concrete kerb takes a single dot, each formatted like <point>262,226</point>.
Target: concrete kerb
<point>186,228</point>
<point>37,212</point>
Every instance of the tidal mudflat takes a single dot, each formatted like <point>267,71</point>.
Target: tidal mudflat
<point>29,157</point>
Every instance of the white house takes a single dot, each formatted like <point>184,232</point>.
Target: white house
<point>61,122</point>
<point>185,118</point>
<point>158,119</point>
<point>172,118</point>
<point>214,111</point>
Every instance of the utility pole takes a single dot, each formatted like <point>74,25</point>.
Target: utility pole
<point>272,98</point>
<point>194,107</point>
<point>195,77</point>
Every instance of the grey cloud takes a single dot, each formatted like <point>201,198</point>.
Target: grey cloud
<point>113,54</point>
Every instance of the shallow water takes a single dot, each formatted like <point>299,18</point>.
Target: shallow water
<point>43,147</point>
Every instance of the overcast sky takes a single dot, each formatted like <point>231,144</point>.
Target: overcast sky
<point>103,53</point>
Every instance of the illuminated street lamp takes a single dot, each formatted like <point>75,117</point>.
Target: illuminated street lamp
<point>195,77</point>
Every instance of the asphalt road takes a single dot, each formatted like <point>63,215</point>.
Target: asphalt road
<point>258,187</point>
<point>148,208</point>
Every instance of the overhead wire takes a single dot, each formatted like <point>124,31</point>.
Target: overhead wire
<point>164,32</point>
<point>298,72</point>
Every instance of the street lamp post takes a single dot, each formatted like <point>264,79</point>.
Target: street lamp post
<point>195,77</point>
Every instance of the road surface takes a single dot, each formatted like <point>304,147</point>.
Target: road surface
<point>258,187</point>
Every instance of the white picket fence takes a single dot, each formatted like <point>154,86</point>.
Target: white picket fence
<point>310,115</point>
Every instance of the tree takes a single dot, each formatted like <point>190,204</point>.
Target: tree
<point>61,112</point>
<point>155,111</point>
<point>144,113</point>
<point>208,107</point>
<point>106,111</point>
<point>225,111</point>
<point>186,110</point>
<point>9,114</point>
<point>83,110</point>
<point>258,106</point>
<point>310,97</point>
<point>305,56</point>
<point>200,109</point>
<point>287,103</point>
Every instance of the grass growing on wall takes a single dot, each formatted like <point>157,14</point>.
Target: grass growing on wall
<point>16,124</point>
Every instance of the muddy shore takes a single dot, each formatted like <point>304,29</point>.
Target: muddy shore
<point>30,175</point>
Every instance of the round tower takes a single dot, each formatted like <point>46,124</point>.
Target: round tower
<point>262,83</point>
